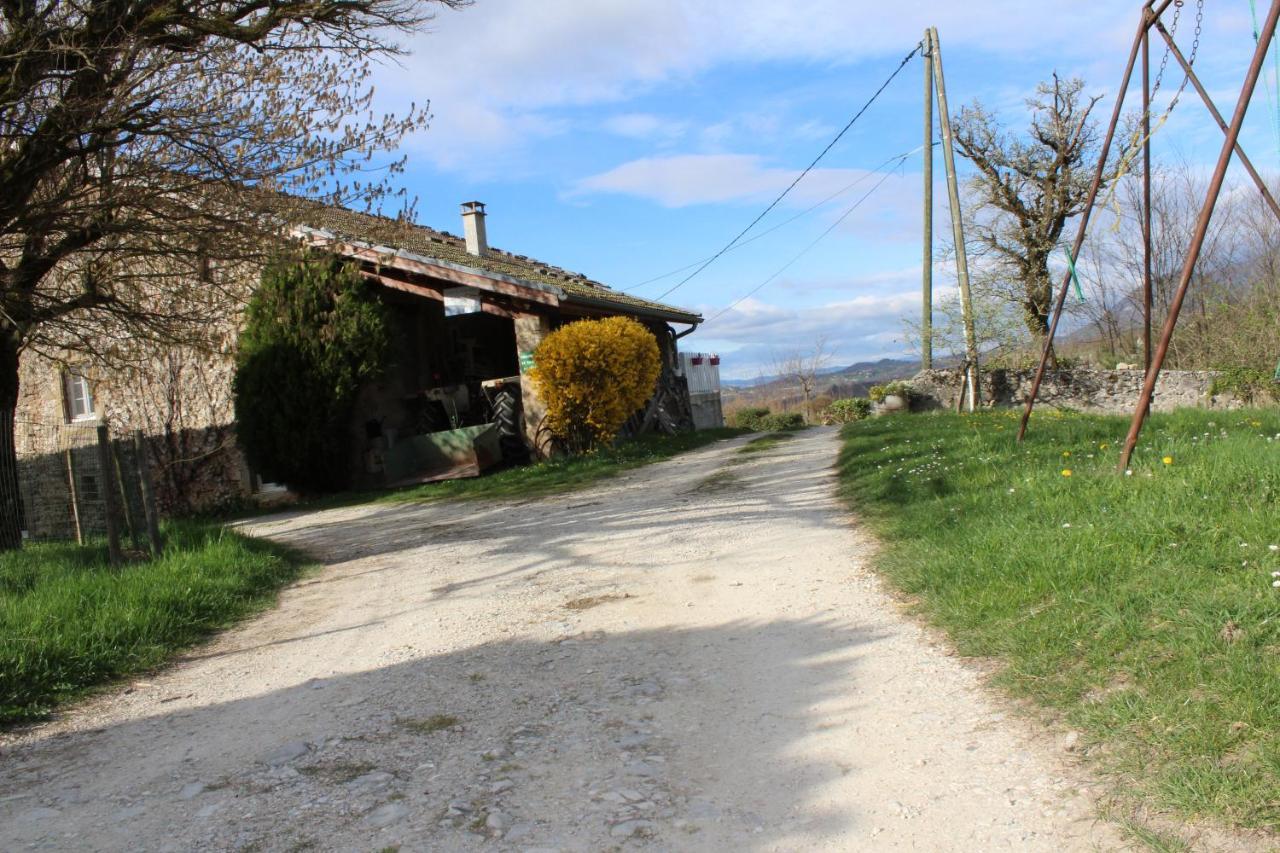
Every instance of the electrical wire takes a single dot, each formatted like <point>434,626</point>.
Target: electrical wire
<point>848,212</point>
<point>799,177</point>
<point>1273,99</point>
<point>785,222</point>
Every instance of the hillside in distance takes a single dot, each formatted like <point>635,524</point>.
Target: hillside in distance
<point>783,393</point>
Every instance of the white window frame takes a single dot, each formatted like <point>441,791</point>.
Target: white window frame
<point>73,380</point>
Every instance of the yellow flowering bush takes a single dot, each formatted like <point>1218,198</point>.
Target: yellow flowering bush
<point>593,375</point>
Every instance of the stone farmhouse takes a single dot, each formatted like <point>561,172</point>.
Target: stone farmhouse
<point>467,319</point>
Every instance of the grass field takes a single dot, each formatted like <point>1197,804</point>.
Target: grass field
<point>1139,609</point>
<point>68,621</point>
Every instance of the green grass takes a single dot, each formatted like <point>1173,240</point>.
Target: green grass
<point>69,622</point>
<point>1138,609</point>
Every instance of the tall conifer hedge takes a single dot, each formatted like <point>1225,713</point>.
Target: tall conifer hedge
<point>314,332</point>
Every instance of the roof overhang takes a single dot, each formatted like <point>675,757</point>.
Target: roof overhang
<point>386,257</point>
<point>655,312</point>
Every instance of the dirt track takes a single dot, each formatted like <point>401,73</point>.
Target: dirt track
<point>691,657</point>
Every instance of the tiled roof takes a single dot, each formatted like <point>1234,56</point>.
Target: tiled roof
<point>443,246</point>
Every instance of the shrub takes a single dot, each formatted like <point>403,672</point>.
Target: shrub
<point>314,332</point>
<point>899,388</point>
<point>593,375</point>
<point>782,422</point>
<point>848,410</point>
<point>1249,384</point>
<point>751,418</point>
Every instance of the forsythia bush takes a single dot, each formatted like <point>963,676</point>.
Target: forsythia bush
<point>593,375</point>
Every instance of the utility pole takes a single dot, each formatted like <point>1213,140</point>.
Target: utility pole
<point>957,226</point>
<point>926,272</point>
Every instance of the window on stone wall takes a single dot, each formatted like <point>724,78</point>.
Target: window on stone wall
<point>78,396</point>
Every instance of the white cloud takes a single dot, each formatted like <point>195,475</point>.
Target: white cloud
<point>865,327</point>
<point>889,211</point>
<point>685,179</point>
<point>491,67</point>
<point>644,126</point>
<point>680,180</point>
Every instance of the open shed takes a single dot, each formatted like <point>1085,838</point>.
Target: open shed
<point>467,320</point>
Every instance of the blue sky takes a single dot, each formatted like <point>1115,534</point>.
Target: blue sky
<point>624,139</point>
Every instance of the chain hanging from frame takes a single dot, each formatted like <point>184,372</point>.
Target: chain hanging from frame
<point>1134,148</point>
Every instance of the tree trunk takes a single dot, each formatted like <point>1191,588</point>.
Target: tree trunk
<point>1039,297</point>
<point>10,498</point>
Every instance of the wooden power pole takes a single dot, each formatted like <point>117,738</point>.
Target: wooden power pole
<point>957,226</point>
<point>926,273</point>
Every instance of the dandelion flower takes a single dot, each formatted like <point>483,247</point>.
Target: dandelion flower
<point>1168,460</point>
<point>1066,453</point>
<point>1066,472</point>
<point>1103,446</point>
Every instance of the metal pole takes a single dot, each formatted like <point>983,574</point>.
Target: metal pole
<point>1222,124</point>
<point>926,273</point>
<point>1202,228</point>
<point>957,226</point>
<point>1146,199</point>
<point>1083,228</point>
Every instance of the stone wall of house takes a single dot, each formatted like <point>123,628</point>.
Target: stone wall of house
<point>179,398</point>
<point>1084,389</point>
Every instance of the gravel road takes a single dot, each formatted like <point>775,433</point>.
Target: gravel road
<point>690,657</point>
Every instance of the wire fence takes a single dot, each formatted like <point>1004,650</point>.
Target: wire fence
<point>75,482</point>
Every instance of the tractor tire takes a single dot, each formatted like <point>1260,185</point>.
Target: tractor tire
<point>506,414</point>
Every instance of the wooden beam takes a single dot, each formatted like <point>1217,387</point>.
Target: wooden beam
<point>438,272</point>
<point>496,310</point>
<point>405,286</point>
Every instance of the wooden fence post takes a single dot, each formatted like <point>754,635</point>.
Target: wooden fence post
<point>148,494</point>
<point>75,497</point>
<point>134,525</point>
<point>110,495</point>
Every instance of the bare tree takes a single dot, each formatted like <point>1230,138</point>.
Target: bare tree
<point>804,367</point>
<point>1028,188</point>
<point>1113,270</point>
<point>182,401</point>
<point>147,144</point>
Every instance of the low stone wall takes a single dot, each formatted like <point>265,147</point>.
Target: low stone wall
<point>1084,389</point>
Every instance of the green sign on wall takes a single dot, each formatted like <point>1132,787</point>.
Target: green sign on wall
<point>526,362</point>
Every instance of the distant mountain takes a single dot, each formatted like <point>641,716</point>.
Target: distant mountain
<point>884,370</point>
<point>853,380</point>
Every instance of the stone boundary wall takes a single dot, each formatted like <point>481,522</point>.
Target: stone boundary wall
<point>1083,389</point>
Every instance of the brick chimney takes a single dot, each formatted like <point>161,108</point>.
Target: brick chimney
<point>473,228</point>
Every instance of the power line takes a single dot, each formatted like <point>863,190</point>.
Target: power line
<point>799,177</point>
<point>753,291</point>
<point>784,222</point>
